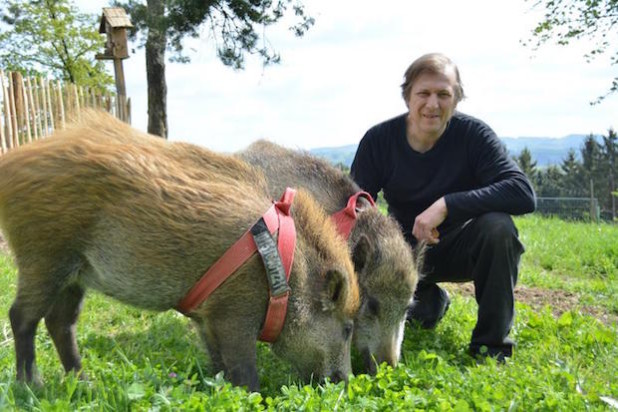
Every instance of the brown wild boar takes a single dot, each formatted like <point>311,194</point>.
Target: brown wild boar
<point>385,266</point>
<point>103,206</point>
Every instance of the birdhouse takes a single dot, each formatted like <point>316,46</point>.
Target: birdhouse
<point>114,23</point>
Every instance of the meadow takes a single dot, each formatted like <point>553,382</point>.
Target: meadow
<point>566,357</point>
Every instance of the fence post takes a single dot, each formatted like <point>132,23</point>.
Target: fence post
<point>23,96</point>
<point>14,122</point>
<point>44,107</point>
<point>60,105</point>
<point>593,206</point>
<point>49,105</point>
<point>4,143</point>
<point>33,108</point>
<point>37,107</point>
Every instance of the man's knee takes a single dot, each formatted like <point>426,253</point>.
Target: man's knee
<point>497,228</point>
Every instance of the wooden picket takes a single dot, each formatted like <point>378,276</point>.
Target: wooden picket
<point>32,108</point>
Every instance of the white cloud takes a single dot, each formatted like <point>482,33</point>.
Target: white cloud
<point>343,76</point>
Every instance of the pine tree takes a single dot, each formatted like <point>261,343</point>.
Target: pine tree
<point>549,182</point>
<point>526,163</point>
<point>574,181</point>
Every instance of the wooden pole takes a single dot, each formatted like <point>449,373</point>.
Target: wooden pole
<point>49,105</point>
<point>44,107</point>
<point>33,109</point>
<point>17,82</point>
<point>593,209</point>
<point>121,91</point>
<point>60,105</point>
<point>77,106</point>
<point>128,110</point>
<point>14,125</point>
<point>82,100</point>
<point>37,106</point>
<point>26,114</point>
<point>4,143</point>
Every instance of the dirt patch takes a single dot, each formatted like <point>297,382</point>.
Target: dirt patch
<point>559,301</point>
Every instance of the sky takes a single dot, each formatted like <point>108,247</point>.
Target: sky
<point>344,76</point>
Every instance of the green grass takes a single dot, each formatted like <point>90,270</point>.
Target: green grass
<point>576,256</point>
<point>145,361</point>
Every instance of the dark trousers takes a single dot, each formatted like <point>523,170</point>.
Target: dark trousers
<point>485,250</point>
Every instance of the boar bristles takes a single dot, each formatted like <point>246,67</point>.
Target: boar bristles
<point>319,229</point>
<point>388,254</point>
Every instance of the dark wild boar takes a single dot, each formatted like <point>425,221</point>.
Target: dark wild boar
<point>103,206</point>
<point>385,266</point>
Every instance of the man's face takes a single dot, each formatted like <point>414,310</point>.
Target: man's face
<point>432,103</point>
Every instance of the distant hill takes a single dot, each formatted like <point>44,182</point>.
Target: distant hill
<point>545,150</point>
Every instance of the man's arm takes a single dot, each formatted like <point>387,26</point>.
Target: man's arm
<point>502,187</point>
<point>426,223</point>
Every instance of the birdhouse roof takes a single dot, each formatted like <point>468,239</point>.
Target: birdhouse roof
<point>116,17</point>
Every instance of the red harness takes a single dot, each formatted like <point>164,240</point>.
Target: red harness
<point>276,217</point>
<point>345,219</point>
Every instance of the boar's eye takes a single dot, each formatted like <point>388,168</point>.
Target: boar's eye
<point>374,306</point>
<point>348,327</point>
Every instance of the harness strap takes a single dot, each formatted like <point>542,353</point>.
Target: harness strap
<point>345,219</point>
<point>286,243</point>
<point>276,217</point>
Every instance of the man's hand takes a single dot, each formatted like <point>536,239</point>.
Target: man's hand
<point>426,223</point>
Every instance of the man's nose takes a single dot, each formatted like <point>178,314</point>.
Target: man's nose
<point>432,101</point>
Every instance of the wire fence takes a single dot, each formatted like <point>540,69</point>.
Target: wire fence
<point>574,208</point>
<point>31,108</point>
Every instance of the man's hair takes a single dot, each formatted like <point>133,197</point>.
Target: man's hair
<point>435,63</point>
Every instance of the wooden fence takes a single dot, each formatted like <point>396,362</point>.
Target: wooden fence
<point>32,108</point>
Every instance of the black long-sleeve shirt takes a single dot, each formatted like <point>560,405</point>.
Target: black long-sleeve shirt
<point>468,165</point>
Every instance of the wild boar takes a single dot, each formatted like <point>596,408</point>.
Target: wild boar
<point>101,205</point>
<point>384,262</point>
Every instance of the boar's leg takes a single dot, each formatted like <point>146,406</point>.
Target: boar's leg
<point>34,297</point>
<point>61,321</point>
<point>240,363</point>
<point>211,345</point>
<point>41,277</point>
<point>234,351</point>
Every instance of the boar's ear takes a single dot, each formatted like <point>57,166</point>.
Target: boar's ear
<point>334,291</point>
<point>361,253</point>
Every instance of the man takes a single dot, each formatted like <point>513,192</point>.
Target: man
<point>449,182</point>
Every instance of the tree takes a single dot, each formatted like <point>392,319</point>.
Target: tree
<point>574,182</point>
<point>234,25</point>
<point>568,20</point>
<point>550,182</point>
<point>526,164</point>
<point>51,37</point>
<point>591,156</point>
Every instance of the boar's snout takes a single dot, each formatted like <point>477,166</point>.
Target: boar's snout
<point>390,356</point>
<point>369,363</point>
<point>339,376</point>
<point>379,343</point>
